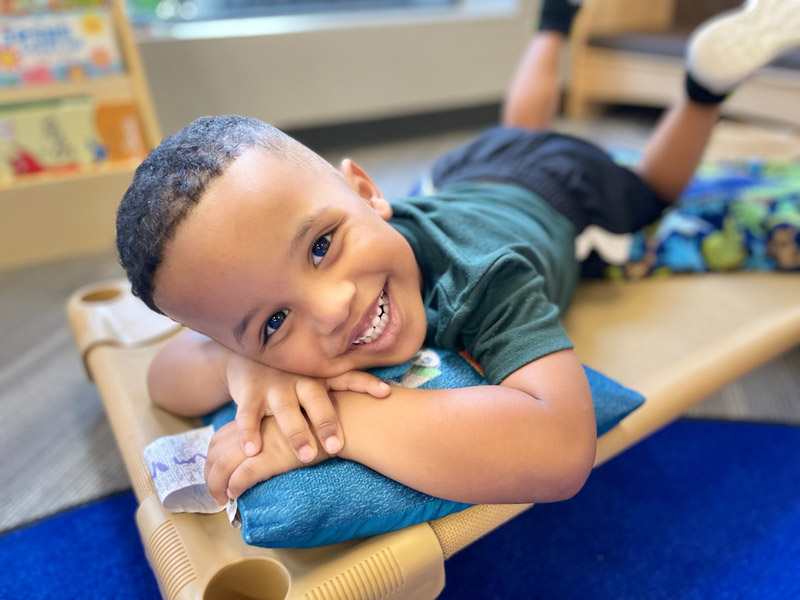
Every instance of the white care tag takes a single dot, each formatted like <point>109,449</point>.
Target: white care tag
<point>176,464</point>
<point>233,513</point>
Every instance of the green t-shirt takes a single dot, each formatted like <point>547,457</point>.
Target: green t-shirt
<point>498,270</point>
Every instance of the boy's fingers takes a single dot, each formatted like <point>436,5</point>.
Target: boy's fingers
<point>220,472</point>
<point>319,408</point>
<point>217,444</point>
<point>358,381</point>
<point>217,487</point>
<point>247,474</point>
<point>248,420</point>
<point>286,410</point>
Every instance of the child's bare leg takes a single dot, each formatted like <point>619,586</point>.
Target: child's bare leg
<point>533,99</point>
<point>676,147</point>
<point>534,96</point>
<point>722,53</point>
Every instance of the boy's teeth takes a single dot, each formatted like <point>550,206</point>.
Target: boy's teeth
<point>379,322</point>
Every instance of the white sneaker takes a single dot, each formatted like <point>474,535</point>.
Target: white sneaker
<point>728,48</point>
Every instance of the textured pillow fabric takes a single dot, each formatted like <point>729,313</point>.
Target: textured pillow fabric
<point>338,500</point>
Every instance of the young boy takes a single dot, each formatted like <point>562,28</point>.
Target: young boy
<point>298,277</point>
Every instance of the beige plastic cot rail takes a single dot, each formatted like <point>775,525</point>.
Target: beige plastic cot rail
<point>675,340</point>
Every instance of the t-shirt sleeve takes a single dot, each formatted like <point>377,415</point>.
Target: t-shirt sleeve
<point>509,321</point>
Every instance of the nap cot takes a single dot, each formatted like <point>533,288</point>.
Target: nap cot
<point>675,340</point>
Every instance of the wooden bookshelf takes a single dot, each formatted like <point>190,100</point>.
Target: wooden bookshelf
<point>52,215</point>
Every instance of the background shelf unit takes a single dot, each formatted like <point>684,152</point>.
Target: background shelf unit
<point>53,215</point>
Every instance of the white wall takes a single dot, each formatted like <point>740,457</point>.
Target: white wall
<point>311,70</point>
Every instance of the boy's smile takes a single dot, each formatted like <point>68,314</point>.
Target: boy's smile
<point>294,265</point>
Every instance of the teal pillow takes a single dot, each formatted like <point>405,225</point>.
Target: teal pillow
<point>338,500</point>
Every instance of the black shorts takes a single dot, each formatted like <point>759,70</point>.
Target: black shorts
<point>578,179</point>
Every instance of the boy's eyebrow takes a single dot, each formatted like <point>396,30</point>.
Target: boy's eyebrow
<point>306,225</point>
<point>241,326</point>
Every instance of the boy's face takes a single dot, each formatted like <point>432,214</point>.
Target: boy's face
<point>296,268</point>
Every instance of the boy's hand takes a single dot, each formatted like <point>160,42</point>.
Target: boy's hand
<point>261,391</point>
<point>229,472</point>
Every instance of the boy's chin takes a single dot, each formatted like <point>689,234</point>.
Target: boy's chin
<point>400,358</point>
<point>397,357</point>
<point>406,353</point>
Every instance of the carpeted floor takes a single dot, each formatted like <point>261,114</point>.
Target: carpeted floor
<point>701,510</point>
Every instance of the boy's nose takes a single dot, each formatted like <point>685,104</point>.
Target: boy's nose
<point>331,306</point>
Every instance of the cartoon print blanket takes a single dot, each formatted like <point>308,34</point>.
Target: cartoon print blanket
<point>738,215</point>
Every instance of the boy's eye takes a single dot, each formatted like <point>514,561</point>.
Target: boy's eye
<point>320,248</point>
<point>275,321</point>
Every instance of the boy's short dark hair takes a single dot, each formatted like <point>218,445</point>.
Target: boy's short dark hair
<point>172,180</point>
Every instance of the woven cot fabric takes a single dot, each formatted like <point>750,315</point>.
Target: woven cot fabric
<point>338,500</point>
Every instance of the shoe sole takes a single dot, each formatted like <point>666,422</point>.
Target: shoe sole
<point>728,48</point>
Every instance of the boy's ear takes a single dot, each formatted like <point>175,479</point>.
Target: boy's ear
<point>358,179</point>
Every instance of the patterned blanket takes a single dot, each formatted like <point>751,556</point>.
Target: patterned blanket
<point>742,215</point>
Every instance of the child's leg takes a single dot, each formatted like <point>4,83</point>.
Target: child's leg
<point>722,53</point>
<point>533,99</point>
<point>676,147</point>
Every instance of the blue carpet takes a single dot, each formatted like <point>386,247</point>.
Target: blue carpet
<point>705,510</point>
<point>58,558</point>
<point>701,510</point>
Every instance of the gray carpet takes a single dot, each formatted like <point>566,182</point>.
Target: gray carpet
<point>57,449</point>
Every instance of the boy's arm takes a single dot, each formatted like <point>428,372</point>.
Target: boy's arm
<point>530,439</point>
<point>187,375</point>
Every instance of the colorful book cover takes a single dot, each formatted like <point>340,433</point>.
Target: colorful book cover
<point>48,136</point>
<point>58,46</point>
<point>18,7</point>
<point>120,131</point>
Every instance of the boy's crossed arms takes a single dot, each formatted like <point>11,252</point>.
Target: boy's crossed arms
<point>517,442</point>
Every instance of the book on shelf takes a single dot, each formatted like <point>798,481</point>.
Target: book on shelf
<point>53,135</point>
<point>120,131</point>
<point>66,135</point>
<point>65,41</point>
<point>17,7</point>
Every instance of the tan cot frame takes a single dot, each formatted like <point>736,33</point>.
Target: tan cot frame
<point>675,340</point>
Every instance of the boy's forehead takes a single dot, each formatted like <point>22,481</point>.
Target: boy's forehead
<point>258,171</point>
<point>259,179</point>
<point>249,222</point>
